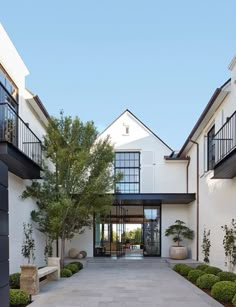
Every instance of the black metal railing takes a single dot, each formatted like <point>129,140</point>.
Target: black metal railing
<point>225,139</point>
<point>15,131</point>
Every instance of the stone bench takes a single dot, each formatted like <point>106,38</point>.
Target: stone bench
<point>30,275</point>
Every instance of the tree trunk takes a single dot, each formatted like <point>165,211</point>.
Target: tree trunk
<point>62,251</point>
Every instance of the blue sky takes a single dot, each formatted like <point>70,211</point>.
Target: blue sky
<point>160,59</point>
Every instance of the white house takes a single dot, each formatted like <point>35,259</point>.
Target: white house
<point>23,119</point>
<point>196,184</point>
<point>211,147</point>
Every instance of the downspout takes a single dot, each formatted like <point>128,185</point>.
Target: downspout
<point>187,174</point>
<point>197,230</point>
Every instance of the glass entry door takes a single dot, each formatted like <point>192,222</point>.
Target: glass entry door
<point>151,231</point>
<point>120,230</point>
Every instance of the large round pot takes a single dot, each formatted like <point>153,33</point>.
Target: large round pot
<point>178,252</point>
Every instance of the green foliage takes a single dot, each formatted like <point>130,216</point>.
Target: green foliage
<point>80,183</point>
<point>212,270</point>
<point>234,301</point>
<point>182,269</point>
<point>72,267</point>
<point>66,273</point>
<point>206,281</point>
<point>78,264</point>
<point>28,246</point>
<point>178,267</point>
<point>224,291</point>
<point>194,274</point>
<point>202,267</point>
<point>229,243</point>
<point>133,236</point>
<point>179,232</point>
<point>227,276</point>
<point>206,245</point>
<point>14,281</point>
<point>18,297</point>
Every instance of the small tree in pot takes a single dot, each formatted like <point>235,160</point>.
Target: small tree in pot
<point>179,232</point>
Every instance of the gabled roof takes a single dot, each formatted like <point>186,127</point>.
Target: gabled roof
<point>140,122</point>
<point>217,96</point>
<point>40,104</point>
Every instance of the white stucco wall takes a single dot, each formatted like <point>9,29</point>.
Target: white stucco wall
<point>82,242</point>
<point>171,213</point>
<point>20,210</point>
<point>216,196</point>
<point>157,175</point>
<point>19,213</point>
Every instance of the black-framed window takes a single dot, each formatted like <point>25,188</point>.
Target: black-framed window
<point>211,148</point>
<point>128,164</point>
<point>8,90</point>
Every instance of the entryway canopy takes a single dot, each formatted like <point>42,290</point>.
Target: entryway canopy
<point>143,199</point>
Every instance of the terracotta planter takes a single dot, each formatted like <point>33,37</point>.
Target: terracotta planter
<point>178,252</point>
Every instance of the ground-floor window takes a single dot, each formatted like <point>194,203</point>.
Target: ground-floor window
<point>130,231</point>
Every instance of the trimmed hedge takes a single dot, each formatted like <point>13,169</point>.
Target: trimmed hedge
<point>194,274</point>
<point>72,267</point>
<point>212,270</point>
<point>224,291</point>
<point>227,276</point>
<point>66,273</point>
<point>234,300</point>
<point>78,264</point>
<point>18,297</point>
<point>182,269</point>
<point>202,267</point>
<point>14,281</point>
<point>207,281</point>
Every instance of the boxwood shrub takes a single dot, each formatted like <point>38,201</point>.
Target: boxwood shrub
<point>78,264</point>
<point>66,273</point>
<point>178,267</point>
<point>227,276</point>
<point>182,269</point>
<point>14,281</point>
<point>234,301</point>
<point>72,267</point>
<point>224,291</point>
<point>185,270</point>
<point>207,281</point>
<point>194,274</point>
<point>202,267</point>
<point>18,297</point>
<point>212,270</point>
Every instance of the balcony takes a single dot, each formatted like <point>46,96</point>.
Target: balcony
<point>225,150</point>
<point>20,148</point>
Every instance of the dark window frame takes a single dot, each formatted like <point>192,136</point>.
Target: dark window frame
<point>4,83</point>
<point>211,148</point>
<point>128,163</point>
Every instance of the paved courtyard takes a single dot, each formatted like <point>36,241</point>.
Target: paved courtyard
<point>123,283</point>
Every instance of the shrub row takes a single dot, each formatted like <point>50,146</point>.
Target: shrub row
<point>71,269</point>
<point>221,284</point>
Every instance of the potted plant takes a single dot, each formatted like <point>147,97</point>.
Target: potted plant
<point>179,232</point>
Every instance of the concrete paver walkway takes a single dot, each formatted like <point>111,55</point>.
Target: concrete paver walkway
<point>123,284</point>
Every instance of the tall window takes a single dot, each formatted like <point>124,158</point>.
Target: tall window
<point>211,149</point>
<point>128,164</point>
<point>8,90</point>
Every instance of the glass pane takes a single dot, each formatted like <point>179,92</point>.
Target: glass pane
<point>151,228</point>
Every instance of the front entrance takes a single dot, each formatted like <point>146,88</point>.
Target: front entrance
<point>130,231</point>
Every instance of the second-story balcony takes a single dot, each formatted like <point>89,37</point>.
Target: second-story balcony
<point>225,149</point>
<point>20,148</point>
